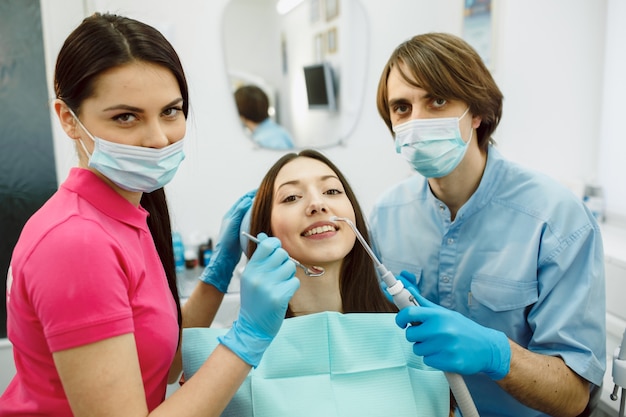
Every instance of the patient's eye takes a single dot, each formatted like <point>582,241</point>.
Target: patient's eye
<point>334,191</point>
<point>289,198</point>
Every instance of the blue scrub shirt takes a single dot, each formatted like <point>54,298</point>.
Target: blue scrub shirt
<point>523,256</point>
<point>270,134</point>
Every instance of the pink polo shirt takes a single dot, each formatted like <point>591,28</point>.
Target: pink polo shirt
<point>85,269</point>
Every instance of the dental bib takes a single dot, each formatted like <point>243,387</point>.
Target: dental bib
<point>331,364</point>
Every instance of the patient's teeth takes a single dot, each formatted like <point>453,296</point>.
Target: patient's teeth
<point>320,229</point>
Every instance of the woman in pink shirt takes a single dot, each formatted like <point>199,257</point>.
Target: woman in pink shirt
<point>93,311</point>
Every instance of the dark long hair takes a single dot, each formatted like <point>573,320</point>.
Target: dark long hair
<point>358,281</point>
<point>105,41</point>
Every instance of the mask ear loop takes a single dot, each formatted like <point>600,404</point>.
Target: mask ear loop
<point>471,135</point>
<point>85,130</point>
<point>471,128</point>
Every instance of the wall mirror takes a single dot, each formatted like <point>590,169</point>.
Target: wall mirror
<point>310,59</point>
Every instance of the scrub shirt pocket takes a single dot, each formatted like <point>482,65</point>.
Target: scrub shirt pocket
<point>509,298</point>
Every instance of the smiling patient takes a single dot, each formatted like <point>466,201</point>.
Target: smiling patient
<point>294,203</point>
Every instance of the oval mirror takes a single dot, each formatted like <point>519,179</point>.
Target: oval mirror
<point>310,59</point>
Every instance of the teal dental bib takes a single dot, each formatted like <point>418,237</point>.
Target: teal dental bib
<point>331,364</point>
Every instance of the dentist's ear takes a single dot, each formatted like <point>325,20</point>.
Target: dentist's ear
<point>68,122</point>
<point>476,120</point>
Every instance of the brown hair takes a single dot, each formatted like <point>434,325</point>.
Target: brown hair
<point>358,284</point>
<point>446,67</point>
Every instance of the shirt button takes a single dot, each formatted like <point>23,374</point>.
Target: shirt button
<point>445,279</point>
<point>441,207</point>
<point>450,241</point>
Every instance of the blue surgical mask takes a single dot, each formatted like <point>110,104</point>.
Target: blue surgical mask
<point>134,168</point>
<point>434,147</point>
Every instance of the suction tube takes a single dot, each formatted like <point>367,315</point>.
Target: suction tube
<point>402,298</point>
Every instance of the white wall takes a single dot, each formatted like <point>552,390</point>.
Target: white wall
<point>612,170</point>
<point>548,60</point>
<point>549,63</point>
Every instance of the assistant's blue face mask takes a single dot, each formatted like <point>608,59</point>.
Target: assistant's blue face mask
<point>434,147</point>
<point>134,168</point>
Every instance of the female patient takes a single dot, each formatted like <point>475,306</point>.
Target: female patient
<point>294,202</point>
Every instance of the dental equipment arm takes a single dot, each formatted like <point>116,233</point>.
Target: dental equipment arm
<point>403,298</point>
<point>619,374</point>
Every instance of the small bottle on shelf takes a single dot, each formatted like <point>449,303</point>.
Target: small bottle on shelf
<point>179,251</point>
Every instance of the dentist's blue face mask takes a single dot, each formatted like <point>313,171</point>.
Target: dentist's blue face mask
<point>434,147</point>
<point>134,168</point>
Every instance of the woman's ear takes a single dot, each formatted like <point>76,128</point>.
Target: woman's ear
<point>68,122</point>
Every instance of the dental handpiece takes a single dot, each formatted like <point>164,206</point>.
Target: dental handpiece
<point>403,298</point>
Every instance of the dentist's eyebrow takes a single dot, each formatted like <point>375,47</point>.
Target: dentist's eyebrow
<point>395,101</point>
<point>426,96</point>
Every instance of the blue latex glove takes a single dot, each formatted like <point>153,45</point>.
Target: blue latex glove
<point>227,253</point>
<point>267,285</point>
<point>451,342</point>
<point>408,280</point>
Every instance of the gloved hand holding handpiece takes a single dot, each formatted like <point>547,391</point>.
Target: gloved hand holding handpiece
<point>451,342</point>
<point>227,253</point>
<point>408,280</point>
<point>267,284</point>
